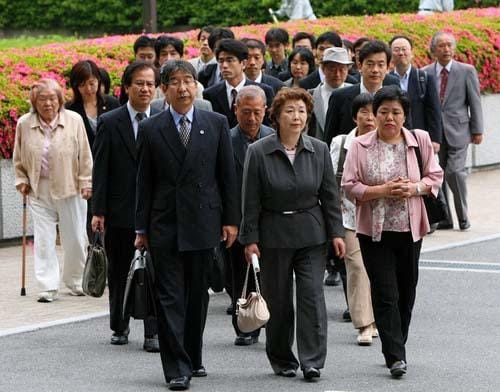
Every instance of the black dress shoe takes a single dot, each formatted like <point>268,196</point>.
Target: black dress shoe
<point>120,338</point>
<point>464,225</point>
<point>444,225</point>
<point>311,373</point>
<point>346,316</point>
<point>179,383</point>
<point>332,279</point>
<point>244,340</point>
<point>151,344</point>
<point>398,369</point>
<point>287,373</point>
<point>200,372</point>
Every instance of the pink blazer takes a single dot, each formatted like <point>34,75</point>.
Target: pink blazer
<point>354,183</point>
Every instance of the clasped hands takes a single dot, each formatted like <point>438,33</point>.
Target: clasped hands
<point>400,188</point>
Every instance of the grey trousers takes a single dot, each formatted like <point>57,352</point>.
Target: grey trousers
<point>452,160</point>
<point>277,269</point>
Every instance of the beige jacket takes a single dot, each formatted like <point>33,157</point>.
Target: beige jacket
<point>70,158</point>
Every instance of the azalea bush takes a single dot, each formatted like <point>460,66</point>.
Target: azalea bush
<point>476,31</point>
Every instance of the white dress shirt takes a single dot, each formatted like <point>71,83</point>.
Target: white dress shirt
<point>439,68</point>
<point>230,88</point>
<point>132,113</point>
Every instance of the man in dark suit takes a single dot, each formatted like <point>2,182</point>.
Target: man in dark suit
<point>212,74</point>
<point>374,58</point>
<point>113,200</point>
<point>277,43</point>
<point>255,63</point>
<point>250,111</point>
<point>186,203</point>
<point>425,110</point>
<point>462,114</point>
<point>232,57</point>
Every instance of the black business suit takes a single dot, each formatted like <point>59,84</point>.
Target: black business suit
<point>184,197</point>
<point>113,183</point>
<point>208,76</point>
<point>339,115</point>
<point>291,212</point>
<point>272,82</point>
<point>217,95</point>
<point>238,261</point>
<point>425,108</point>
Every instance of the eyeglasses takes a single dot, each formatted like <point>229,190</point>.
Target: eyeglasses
<point>177,82</point>
<point>143,83</point>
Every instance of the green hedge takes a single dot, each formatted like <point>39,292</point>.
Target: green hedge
<point>122,16</point>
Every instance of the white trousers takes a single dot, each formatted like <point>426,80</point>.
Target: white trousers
<point>71,214</point>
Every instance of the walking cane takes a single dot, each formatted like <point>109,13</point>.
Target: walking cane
<point>23,268</point>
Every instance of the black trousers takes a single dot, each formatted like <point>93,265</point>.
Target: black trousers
<point>277,268</point>
<point>392,266</point>
<point>182,303</point>
<point>238,272</point>
<point>119,244</point>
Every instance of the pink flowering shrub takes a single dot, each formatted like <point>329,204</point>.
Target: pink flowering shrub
<point>476,31</point>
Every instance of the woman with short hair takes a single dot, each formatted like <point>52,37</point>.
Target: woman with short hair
<point>53,165</point>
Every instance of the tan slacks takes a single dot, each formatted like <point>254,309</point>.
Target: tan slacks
<point>358,284</point>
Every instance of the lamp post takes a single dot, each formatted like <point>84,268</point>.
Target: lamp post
<point>149,19</point>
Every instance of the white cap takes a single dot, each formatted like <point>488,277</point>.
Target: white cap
<point>336,55</point>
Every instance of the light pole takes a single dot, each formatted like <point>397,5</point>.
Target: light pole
<point>149,19</point>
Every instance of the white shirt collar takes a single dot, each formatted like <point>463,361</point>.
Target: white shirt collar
<point>439,67</point>
<point>230,88</point>
<point>363,89</point>
<point>132,112</point>
<point>258,79</point>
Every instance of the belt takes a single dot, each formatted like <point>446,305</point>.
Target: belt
<point>291,212</point>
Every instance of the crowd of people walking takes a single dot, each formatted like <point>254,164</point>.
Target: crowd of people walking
<point>316,161</point>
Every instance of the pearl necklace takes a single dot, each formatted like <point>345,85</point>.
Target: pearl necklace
<point>290,148</point>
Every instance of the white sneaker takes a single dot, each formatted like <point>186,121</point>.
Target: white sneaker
<point>374,331</point>
<point>365,336</point>
<point>76,291</point>
<point>47,296</point>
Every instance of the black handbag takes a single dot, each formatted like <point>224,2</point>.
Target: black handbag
<point>139,298</point>
<point>96,268</point>
<point>217,268</point>
<point>437,210</point>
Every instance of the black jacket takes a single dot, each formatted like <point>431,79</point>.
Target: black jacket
<point>313,80</point>
<point>115,168</point>
<point>185,195</point>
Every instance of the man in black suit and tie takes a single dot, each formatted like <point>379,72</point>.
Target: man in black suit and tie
<point>425,110</point>
<point>113,201</point>
<point>374,58</point>
<point>232,58</point>
<point>212,73</point>
<point>255,63</point>
<point>186,203</point>
<point>250,112</point>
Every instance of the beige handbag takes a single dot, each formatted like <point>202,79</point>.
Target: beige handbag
<point>251,310</point>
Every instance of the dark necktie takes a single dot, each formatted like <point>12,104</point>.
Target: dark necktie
<point>444,82</point>
<point>184,130</point>
<point>234,93</point>
<point>140,116</point>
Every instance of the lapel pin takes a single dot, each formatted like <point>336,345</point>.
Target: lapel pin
<point>202,132</point>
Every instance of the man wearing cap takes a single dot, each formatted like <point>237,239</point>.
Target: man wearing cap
<point>335,66</point>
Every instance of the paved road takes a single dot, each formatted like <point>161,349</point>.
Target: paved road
<point>454,346</point>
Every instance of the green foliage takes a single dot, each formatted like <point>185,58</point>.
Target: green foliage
<point>125,16</point>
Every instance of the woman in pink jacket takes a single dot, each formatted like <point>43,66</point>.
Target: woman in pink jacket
<point>382,176</point>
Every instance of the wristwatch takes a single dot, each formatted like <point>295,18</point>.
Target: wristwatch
<point>420,189</point>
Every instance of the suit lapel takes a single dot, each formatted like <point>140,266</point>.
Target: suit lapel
<point>126,132</point>
<point>197,134</point>
<point>221,97</point>
<point>239,151</point>
<point>169,132</point>
<point>452,79</point>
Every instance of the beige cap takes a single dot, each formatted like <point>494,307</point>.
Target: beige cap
<point>336,55</point>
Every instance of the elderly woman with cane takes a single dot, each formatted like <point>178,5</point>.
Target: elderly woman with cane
<point>53,165</point>
<point>291,211</point>
<point>382,176</point>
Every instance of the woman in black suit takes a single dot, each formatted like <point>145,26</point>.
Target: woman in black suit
<point>88,101</point>
<point>291,211</point>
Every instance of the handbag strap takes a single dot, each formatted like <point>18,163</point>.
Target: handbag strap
<point>417,153</point>
<point>245,284</point>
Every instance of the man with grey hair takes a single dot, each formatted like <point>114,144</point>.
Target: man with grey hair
<point>428,7</point>
<point>186,204</point>
<point>459,94</point>
<point>250,110</point>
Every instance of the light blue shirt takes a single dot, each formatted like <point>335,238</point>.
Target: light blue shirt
<point>177,117</point>
<point>436,5</point>
<point>132,113</point>
<point>403,79</point>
